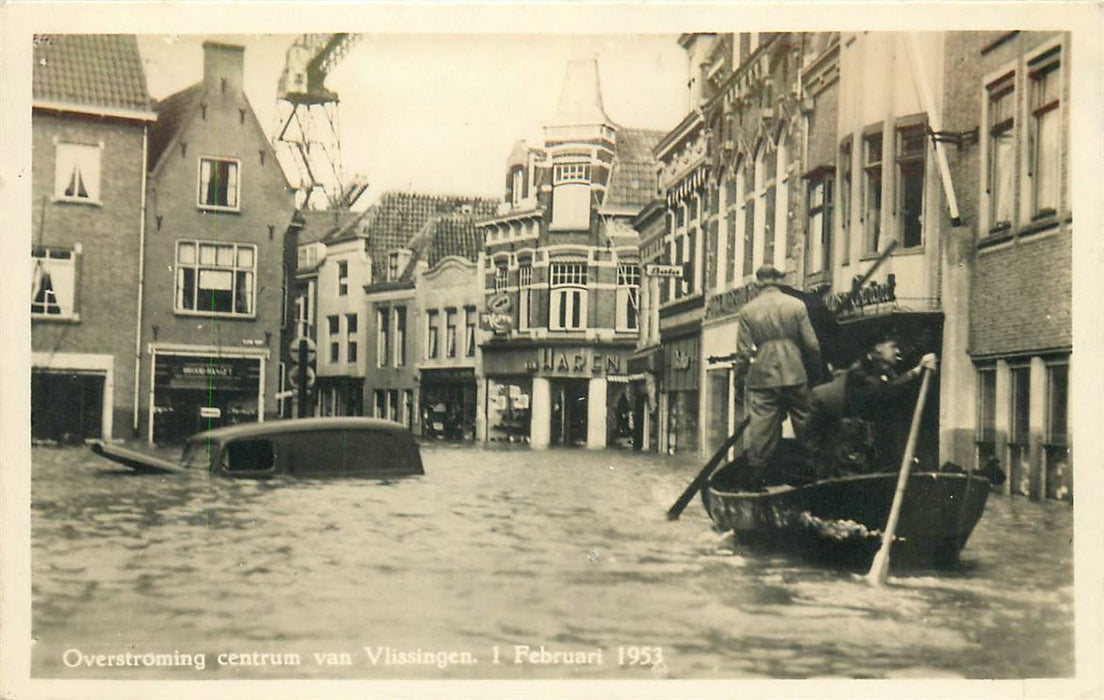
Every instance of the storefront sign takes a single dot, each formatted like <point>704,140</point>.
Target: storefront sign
<point>654,270</point>
<point>730,301</point>
<point>207,370</point>
<point>575,362</point>
<point>680,360</point>
<point>871,295</point>
<point>499,324</point>
<point>210,412</point>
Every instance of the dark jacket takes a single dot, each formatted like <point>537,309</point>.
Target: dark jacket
<point>774,333</point>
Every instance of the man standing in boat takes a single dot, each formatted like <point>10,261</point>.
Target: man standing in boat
<point>774,345</point>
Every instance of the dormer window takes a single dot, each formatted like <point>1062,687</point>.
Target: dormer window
<point>393,266</point>
<point>517,186</point>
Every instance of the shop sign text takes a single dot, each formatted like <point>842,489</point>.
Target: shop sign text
<point>583,361</point>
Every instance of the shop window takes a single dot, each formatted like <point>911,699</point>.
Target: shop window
<point>571,196</point>
<point>215,278</point>
<point>1019,449</point>
<point>986,438</point>
<point>408,408</point>
<point>54,282</point>
<point>1001,160</point>
<point>628,297</point>
<point>819,229</point>
<point>342,278</point>
<point>568,296</point>
<point>911,151</point>
<point>1045,95</point>
<point>380,401</point>
<point>525,297</point>
<point>77,173</point>
<point>400,336</point>
<point>1059,482</point>
<point>432,331</point>
<point>469,331</point>
<point>845,201</point>
<point>383,335</point>
<point>872,192</point>
<point>450,333</point>
<point>219,183</point>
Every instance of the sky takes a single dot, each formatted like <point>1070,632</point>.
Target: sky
<point>440,113</point>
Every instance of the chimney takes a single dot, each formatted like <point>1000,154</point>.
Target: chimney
<point>222,67</point>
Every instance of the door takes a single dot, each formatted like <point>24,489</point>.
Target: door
<point>66,407</point>
<point>569,412</point>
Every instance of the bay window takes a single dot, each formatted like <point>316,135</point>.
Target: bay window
<point>628,297</point>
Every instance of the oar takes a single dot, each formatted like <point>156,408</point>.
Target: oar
<point>676,510</point>
<point>879,569</point>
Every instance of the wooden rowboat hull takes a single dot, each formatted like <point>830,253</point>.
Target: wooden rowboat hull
<point>841,520</point>
<point>135,459</point>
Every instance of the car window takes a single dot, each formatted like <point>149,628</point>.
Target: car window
<point>249,456</point>
<point>350,452</point>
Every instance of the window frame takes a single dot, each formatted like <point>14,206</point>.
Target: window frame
<point>399,351</point>
<point>873,184</point>
<point>903,162</point>
<point>432,344</point>
<point>95,192</point>
<point>994,91</point>
<point>846,191</point>
<point>206,206</point>
<point>567,281</point>
<point>342,278</point>
<point>179,277</point>
<point>1048,62</point>
<point>525,296</point>
<point>627,317</point>
<point>72,262</point>
<point>823,180</point>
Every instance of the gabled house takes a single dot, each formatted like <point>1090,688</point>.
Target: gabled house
<point>213,298</point>
<point>562,276</point>
<point>90,119</point>
<point>407,234</point>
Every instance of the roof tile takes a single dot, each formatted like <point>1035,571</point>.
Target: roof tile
<point>92,70</point>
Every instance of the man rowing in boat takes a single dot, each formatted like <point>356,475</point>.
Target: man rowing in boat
<point>774,345</point>
<point>868,428</point>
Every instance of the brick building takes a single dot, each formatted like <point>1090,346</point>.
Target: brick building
<point>213,299</point>
<point>562,276</point>
<point>90,118</point>
<point>403,234</point>
<point>1011,92</point>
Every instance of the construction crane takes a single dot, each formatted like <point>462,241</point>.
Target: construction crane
<point>307,134</point>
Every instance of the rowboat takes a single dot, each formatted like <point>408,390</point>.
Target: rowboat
<point>840,520</point>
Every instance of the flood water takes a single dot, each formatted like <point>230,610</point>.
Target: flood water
<point>501,549</point>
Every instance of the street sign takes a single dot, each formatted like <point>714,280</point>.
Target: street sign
<point>293,376</point>
<point>654,270</point>
<point>285,394</point>
<point>210,412</point>
<point>311,349</point>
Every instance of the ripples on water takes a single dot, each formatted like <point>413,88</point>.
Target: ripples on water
<point>569,549</point>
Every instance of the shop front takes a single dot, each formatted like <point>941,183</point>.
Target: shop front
<point>449,403</point>
<point>550,395</point>
<point>681,391</point>
<point>194,391</point>
<point>339,396</point>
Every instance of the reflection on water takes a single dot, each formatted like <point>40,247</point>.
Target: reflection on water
<point>496,549</point>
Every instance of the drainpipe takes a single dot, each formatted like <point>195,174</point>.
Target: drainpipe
<point>141,276</point>
<point>924,92</point>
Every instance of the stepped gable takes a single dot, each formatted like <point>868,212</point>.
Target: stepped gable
<point>633,179</point>
<point>92,70</point>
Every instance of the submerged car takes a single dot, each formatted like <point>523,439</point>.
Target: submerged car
<point>306,447</point>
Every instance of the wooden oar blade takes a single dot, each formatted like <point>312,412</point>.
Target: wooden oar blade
<point>707,471</point>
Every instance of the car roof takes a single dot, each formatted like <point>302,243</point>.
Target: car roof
<point>298,425</point>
